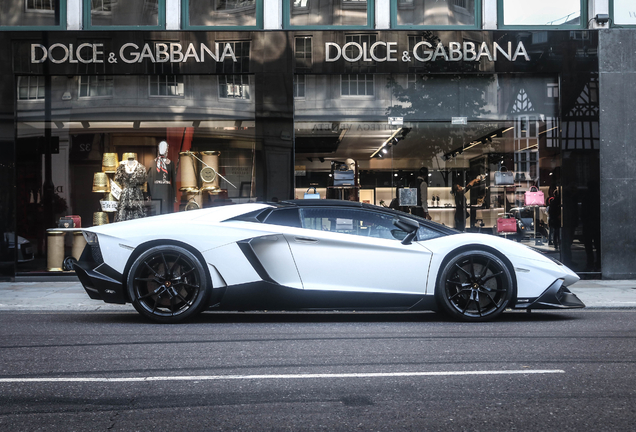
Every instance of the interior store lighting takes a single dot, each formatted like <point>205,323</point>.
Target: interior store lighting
<point>393,140</point>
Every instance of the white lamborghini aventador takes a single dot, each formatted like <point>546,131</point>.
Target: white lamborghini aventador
<point>314,255</point>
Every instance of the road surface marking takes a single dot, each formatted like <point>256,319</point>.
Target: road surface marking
<point>278,377</point>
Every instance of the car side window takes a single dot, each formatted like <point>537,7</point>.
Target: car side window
<point>285,216</point>
<point>425,233</point>
<point>350,221</point>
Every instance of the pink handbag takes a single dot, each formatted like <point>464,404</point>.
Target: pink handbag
<point>506,224</point>
<point>534,197</point>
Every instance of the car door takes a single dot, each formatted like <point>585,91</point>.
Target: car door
<point>354,249</point>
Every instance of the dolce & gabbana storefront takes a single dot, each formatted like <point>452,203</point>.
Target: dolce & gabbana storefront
<point>486,131</point>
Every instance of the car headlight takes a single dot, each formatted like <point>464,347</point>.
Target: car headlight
<point>91,237</point>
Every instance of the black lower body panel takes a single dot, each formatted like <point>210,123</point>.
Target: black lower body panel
<point>271,296</point>
<point>556,296</point>
<point>100,281</point>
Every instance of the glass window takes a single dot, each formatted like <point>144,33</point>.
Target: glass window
<point>542,13</point>
<point>350,221</point>
<point>328,13</point>
<point>241,51</point>
<point>96,86</point>
<point>222,13</point>
<point>33,13</point>
<point>234,86</point>
<point>623,12</point>
<point>299,86</point>
<point>40,5</point>
<point>357,85</point>
<point>124,14</point>
<point>31,88</point>
<point>287,217</point>
<point>166,85</point>
<point>90,135</point>
<point>423,13</point>
<point>425,233</point>
<point>302,52</point>
<point>513,124</point>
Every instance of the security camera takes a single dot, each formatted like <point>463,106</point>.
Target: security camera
<point>602,19</point>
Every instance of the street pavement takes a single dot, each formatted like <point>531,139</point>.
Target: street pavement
<point>70,296</point>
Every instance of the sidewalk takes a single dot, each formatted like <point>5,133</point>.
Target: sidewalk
<point>70,296</point>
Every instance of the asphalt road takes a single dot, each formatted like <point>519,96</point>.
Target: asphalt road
<point>556,371</point>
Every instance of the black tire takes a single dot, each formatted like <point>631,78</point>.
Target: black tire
<point>474,286</point>
<point>168,284</point>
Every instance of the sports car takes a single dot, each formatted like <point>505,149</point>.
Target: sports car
<point>314,255</point>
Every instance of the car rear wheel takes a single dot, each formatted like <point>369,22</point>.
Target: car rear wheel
<point>168,284</point>
<point>474,286</point>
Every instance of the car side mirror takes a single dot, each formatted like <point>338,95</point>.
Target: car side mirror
<point>410,227</point>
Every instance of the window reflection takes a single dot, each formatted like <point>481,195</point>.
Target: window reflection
<point>124,12</point>
<point>328,12</point>
<point>96,86</point>
<point>29,12</point>
<point>624,12</point>
<point>428,13</point>
<point>30,88</point>
<point>99,121</point>
<point>222,12</point>
<point>542,12</point>
<point>166,85</point>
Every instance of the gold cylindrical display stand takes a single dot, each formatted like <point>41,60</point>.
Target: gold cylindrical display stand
<point>79,242</point>
<point>187,166</point>
<point>101,182</point>
<point>109,163</point>
<point>100,218</point>
<point>193,199</point>
<point>127,156</point>
<point>211,159</point>
<point>55,250</point>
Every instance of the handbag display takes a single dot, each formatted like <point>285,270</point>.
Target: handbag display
<point>534,197</point>
<point>503,178</point>
<point>312,195</point>
<point>66,222</point>
<point>77,220</point>
<point>506,224</point>
<point>343,178</point>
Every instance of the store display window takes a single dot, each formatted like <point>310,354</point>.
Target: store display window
<point>478,153</point>
<point>120,14</point>
<point>429,13</point>
<point>33,14</point>
<point>124,147</point>
<point>324,14</point>
<point>200,14</point>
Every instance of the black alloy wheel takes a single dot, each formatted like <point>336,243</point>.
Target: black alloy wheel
<point>168,284</point>
<point>474,286</point>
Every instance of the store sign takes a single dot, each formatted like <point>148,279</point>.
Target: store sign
<point>423,52</point>
<point>130,53</point>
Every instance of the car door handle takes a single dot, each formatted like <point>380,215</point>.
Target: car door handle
<point>305,240</point>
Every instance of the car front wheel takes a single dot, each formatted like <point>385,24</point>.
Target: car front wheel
<point>474,286</point>
<point>168,284</point>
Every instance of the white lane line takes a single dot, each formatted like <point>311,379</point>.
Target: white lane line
<point>279,377</point>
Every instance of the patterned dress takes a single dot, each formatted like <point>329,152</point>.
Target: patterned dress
<point>131,201</point>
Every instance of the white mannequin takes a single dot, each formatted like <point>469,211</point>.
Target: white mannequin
<point>163,148</point>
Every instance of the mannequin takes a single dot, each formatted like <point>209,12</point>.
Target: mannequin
<point>130,176</point>
<point>161,179</point>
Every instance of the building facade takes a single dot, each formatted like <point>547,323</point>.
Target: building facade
<point>345,99</point>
